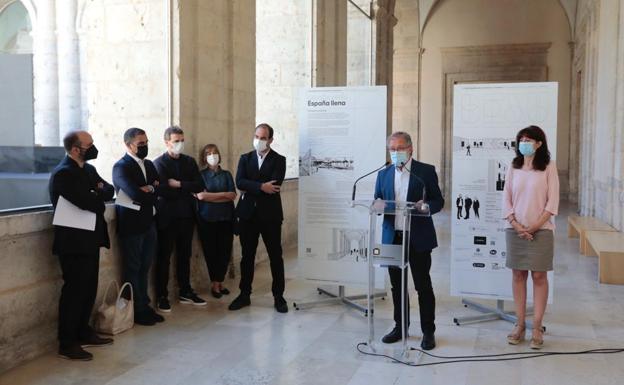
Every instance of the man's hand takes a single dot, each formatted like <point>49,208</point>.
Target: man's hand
<point>270,187</point>
<point>156,183</point>
<point>147,188</point>
<point>174,183</point>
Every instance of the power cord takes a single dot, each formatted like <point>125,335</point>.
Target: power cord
<point>487,357</point>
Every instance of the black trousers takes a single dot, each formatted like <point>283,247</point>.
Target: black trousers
<point>80,276</point>
<point>249,234</point>
<point>178,233</point>
<point>420,265</point>
<point>216,239</point>
<point>138,252</point>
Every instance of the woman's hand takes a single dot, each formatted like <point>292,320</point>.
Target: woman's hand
<point>522,231</point>
<point>229,195</point>
<point>533,228</point>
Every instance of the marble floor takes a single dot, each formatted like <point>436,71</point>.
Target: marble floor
<point>211,345</point>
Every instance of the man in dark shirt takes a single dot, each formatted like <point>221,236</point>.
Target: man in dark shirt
<point>79,250</point>
<point>136,179</point>
<point>176,207</point>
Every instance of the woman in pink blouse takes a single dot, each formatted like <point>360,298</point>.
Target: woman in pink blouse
<point>531,199</point>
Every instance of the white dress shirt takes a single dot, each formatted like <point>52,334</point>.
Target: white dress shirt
<point>401,184</point>
<point>261,158</point>
<point>141,163</point>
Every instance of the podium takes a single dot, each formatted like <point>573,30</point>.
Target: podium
<point>386,255</point>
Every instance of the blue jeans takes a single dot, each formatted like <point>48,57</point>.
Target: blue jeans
<point>137,251</point>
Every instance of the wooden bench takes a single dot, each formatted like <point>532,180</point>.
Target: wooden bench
<point>609,247</point>
<point>578,226</point>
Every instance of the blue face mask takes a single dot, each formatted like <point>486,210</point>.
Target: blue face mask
<point>399,158</point>
<point>526,148</point>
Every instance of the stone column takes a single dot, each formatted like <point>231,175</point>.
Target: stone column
<point>329,43</point>
<point>45,75</point>
<point>383,34</point>
<point>68,67</point>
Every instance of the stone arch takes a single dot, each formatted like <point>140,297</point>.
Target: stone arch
<point>428,7</point>
<point>30,8</point>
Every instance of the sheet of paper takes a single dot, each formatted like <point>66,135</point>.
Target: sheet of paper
<point>69,215</point>
<point>125,201</point>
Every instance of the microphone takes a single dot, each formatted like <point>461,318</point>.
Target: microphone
<point>424,192</point>
<point>364,176</point>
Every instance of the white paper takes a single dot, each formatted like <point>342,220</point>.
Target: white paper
<point>486,119</point>
<point>125,201</point>
<point>342,135</point>
<point>69,215</point>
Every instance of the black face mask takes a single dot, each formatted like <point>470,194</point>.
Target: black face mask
<point>141,152</point>
<point>90,153</point>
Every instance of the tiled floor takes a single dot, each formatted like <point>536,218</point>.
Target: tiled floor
<point>257,345</point>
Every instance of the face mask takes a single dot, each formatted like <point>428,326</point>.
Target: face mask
<point>212,159</point>
<point>260,145</point>
<point>526,148</point>
<point>398,158</point>
<point>89,153</point>
<point>141,152</point>
<point>177,148</point>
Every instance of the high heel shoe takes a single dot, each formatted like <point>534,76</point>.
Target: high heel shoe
<point>517,335</point>
<point>537,339</point>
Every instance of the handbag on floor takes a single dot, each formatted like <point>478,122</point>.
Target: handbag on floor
<point>114,318</point>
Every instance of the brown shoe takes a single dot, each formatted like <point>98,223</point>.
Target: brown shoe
<point>517,335</point>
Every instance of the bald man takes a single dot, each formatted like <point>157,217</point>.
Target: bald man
<point>79,250</point>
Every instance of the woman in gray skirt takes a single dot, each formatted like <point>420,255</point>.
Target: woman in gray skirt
<point>530,200</point>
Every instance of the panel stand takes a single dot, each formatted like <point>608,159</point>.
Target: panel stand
<point>491,314</point>
<point>339,298</point>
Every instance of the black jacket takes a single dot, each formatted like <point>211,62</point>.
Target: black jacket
<point>249,179</point>
<point>79,186</point>
<point>127,176</point>
<point>177,202</point>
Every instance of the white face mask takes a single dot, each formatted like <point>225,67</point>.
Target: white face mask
<point>177,148</point>
<point>212,159</point>
<point>260,145</point>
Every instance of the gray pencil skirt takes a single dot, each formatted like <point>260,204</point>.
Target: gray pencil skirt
<point>535,255</point>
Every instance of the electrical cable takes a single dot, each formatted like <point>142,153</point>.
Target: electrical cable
<point>487,357</point>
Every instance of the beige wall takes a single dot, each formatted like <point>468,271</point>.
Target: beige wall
<point>458,23</point>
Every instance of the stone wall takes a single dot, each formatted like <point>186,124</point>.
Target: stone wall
<point>598,112</point>
<point>30,288</point>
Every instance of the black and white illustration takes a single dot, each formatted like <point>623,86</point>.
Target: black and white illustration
<point>311,164</point>
<point>467,206</point>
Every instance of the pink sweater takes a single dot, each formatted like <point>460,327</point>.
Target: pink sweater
<point>528,193</point>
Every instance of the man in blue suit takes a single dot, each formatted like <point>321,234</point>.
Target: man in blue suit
<point>408,180</point>
<point>137,178</point>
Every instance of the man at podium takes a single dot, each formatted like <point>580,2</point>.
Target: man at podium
<point>408,180</point>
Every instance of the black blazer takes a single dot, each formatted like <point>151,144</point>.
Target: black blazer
<point>249,179</point>
<point>79,186</point>
<point>127,176</point>
<point>422,232</point>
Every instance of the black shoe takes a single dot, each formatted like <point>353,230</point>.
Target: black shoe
<point>428,341</point>
<point>224,291</point>
<point>216,294</point>
<point>144,318</point>
<point>155,316</point>
<point>75,353</point>
<point>163,305</point>
<point>280,305</point>
<point>240,302</point>
<point>95,340</point>
<point>394,336</point>
<point>191,298</point>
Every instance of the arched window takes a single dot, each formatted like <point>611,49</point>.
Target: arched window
<point>15,28</point>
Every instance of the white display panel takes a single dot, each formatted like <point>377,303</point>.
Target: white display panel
<point>486,119</point>
<point>342,135</point>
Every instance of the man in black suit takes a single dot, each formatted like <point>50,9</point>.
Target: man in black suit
<point>408,180</point>
<point>259,212</point>
<point>79,250</point>
<point>176,208</point>
<point>136,178</point>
